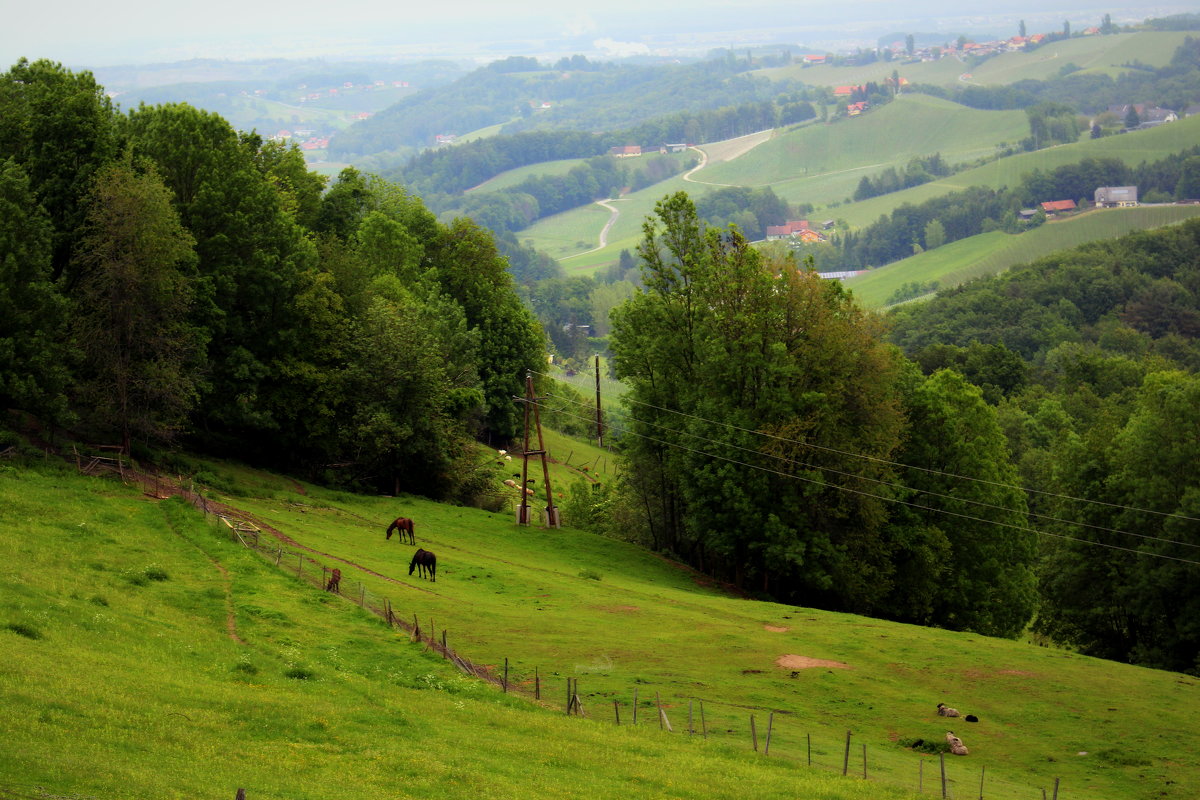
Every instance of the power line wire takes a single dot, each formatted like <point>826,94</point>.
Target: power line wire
<point>899,486</point>
<point>897,463</point>
<point>1021,528</point>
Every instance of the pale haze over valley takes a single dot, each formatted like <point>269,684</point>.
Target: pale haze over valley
<point>88,35</point>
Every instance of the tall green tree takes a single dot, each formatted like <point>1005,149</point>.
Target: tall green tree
<point>59,126</point>
<point>34,366</point>
<point>468,268</point>
<point>252,255</point>
<point>721,344</point>
<point>963,475</point>
<point>131,307</point>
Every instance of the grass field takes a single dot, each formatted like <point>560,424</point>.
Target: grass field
<point>800,163</point>
<point>1091,53</point>
<point>1098,54</point>
<point>123,676</point>
<point>1131,148</point>
<point>992,253</point>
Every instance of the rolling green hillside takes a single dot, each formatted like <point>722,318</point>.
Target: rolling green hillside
<point>1101,54</point>
<point>148,655</point>
<point>1131,148</point>
<point>1105,54</point>
<point>912,125</point>
<point>991,253</point>
<point>192,645</point>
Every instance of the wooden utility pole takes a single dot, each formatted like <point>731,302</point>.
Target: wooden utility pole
<point>531,401</point>
<point>599,421</point>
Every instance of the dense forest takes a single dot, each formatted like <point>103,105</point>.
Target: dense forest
<point>165,279</point>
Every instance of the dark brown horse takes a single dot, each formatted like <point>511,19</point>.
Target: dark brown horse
<point>335,580</point>
<point>404,526</point>
<point>424,562</point>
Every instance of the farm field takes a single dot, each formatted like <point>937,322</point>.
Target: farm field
<point>1131,148</point>
<point>867,144</point>
<point>992,253</point>
<point>1091,53</point>
<point>148,655</point>
<point>145,596</point>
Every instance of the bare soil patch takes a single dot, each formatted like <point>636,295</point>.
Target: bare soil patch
<point>775,628</point>
<point>804,662</point>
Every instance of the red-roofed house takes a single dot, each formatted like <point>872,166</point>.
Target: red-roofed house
<point>854,109</point>
<point>626,151</point>
<point>844,91</point>
<point>1051,206</point>
<point>814,59</point>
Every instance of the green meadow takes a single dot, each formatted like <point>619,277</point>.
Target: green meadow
<point>1108,54</point>
<point>1131,148</point>
<point>799,165</point>
<point>1092,54</point>
<point>147,654</point>
<point>992,253</point>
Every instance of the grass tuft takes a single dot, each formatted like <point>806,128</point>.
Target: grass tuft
<point>24,629</point>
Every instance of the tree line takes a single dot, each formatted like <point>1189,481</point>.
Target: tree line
<point>164,279</point>
<point>1090,358</point>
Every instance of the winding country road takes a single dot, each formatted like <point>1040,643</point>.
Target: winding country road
<point>616,212</point>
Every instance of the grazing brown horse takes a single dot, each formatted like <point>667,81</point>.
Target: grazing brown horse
<point>424,562</point>
<point>335,580</point>
<point>403,526</point>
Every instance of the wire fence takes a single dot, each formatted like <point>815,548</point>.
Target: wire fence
<point>773,733</point>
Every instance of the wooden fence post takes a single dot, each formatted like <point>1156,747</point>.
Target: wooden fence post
<point>703,727</point>
<point>982,770</point>
<point>241,795</point>
<point>1055,789</point>
<point>846,759</point>
<point>362,595</point>
<point>658,705</point>
<point>942,762</point>
<point>753,734</point>
<point>537,685</point>
<point>921,775</point>
<point>864,760</point>
<point>416,634</point>
<point>505,674</point>
<point>770,724</point>
<point>635,705</point>
<point>691,727</point>
<point>808,744</point>
<point>617,713</point>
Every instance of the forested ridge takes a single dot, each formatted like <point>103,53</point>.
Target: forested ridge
<point>168,280</point>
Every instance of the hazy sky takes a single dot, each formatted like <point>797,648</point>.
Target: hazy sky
<point>105,32</point>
